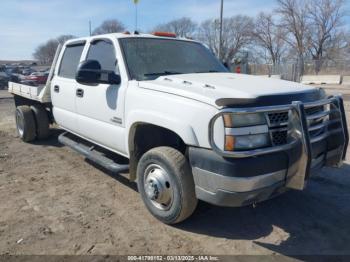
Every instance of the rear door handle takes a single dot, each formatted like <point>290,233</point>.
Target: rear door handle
<point>56,89</point>
<point>80,92</point>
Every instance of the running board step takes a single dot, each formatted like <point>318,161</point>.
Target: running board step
<point>90,153</point>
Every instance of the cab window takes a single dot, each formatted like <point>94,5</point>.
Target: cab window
<point>70,61</point>
<point>103,52</point>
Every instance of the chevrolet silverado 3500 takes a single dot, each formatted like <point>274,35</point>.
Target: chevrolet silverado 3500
<point>186,128</point>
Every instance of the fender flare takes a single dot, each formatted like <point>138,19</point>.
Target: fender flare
<point>136,117</point>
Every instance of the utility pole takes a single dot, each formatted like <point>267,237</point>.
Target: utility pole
<point>136,2</point>
<point>136,17</point>
<point>220,35</point>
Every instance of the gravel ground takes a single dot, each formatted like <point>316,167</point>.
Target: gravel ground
<point>54,202</point>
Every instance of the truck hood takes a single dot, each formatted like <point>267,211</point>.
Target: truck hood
<point>223,89</point>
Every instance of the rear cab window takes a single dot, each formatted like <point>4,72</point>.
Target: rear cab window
<point>70,60</point>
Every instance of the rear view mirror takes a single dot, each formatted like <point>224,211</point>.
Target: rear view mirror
<point>90,72</point>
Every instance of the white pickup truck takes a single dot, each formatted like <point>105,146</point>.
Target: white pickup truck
<point>186,128</point>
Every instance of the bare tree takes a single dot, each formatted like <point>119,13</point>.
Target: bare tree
<point>347,43</point>
<point>45,52</point>
<point>209,34</point>
<point>237,35</point>
<point>63,38</point>
<point>294,19</point>
<point>325,35</point>
<point>183,27</point>
<point>109,26</point>
<point>269,36</point>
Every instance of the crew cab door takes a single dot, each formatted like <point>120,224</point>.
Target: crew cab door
<point>100,108</point>
<point>63,86</point>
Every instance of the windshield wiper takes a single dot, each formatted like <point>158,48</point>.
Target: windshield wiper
<point>163,73</point>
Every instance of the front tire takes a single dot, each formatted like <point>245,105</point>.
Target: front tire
<point>25,123</point>
<point>166,185</point>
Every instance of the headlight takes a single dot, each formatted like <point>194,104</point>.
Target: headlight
<point>246,142</point>
<point>241,120</point>
<point>245,131</point>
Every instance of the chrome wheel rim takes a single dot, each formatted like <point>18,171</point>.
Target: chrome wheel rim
<point>20,124</point>
<point>158,187</point>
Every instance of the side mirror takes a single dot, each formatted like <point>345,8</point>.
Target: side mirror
<point>114,79</point>
<point>90,72</point>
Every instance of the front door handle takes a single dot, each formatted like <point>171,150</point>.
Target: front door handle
<point>56,89</point>
<point>80,92</point>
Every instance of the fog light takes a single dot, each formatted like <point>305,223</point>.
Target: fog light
<point>251,141</point>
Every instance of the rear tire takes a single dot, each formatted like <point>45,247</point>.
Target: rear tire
<point>166,185</point>
<point>25,123</point>
<point>41,121</point>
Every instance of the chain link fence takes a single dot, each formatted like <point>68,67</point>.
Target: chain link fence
<point>291,70</point>
<point>287,71</point>
<point>327,67</point>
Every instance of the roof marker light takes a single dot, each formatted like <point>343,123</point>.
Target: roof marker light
<point>164,34</point>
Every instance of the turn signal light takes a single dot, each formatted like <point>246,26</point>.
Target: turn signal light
<point>228,120</point>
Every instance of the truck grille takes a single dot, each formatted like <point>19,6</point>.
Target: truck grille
<point>321,121</point>
<point>278,119</point>
<point>279,137</point>
<point>278,124</point>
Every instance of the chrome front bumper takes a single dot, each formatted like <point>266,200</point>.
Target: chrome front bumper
<point>335,135</point>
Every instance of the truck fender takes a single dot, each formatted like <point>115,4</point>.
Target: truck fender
<point>171,122</point>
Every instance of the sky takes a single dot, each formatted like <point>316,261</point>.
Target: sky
<point>24,24</point>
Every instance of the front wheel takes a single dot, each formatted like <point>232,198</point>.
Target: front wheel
<point>166,185</point>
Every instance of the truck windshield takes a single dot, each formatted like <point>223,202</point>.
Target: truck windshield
<point>149,58</point>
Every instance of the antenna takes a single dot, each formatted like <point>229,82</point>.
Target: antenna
<point>90,27</point>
